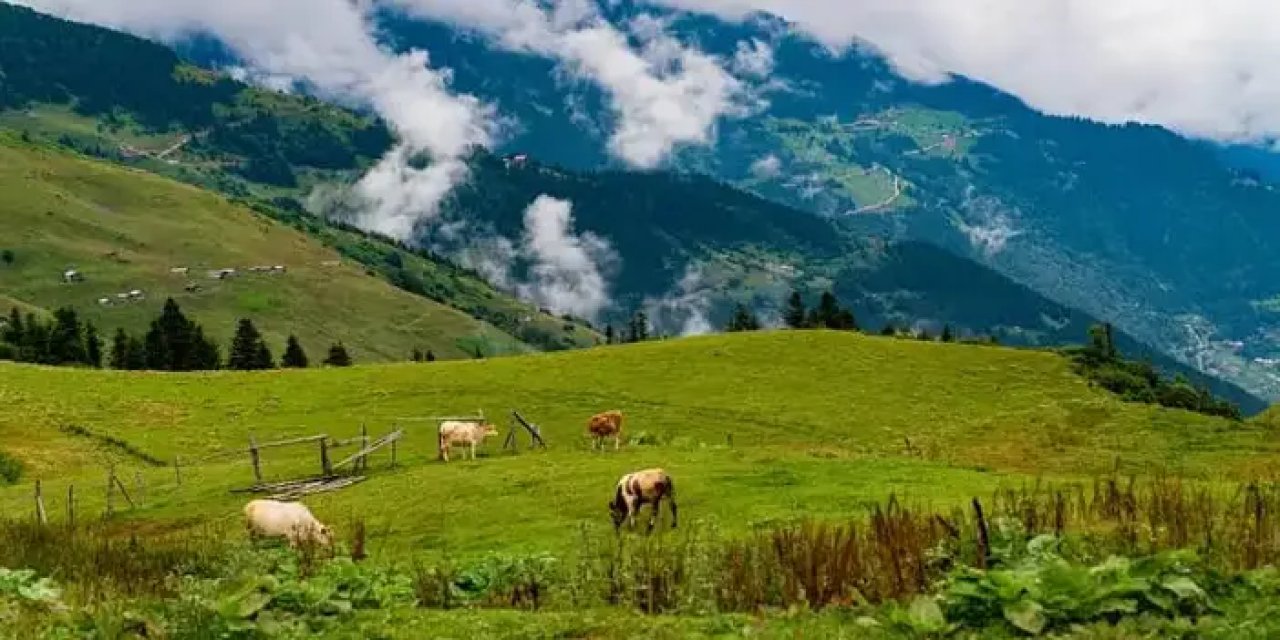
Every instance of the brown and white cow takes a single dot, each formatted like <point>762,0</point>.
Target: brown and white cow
<point>289,520</point>
<point>637,489</point>
<point>455,432</point>
<point>604,425</point>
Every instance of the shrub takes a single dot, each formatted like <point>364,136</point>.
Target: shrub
<point>10,468</point>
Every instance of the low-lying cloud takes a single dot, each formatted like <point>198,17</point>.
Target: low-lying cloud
<point>686,309</point>
<point>663,93</point>
<point>1202,68</point>
<point>331,46</point>
<point>566,271</point>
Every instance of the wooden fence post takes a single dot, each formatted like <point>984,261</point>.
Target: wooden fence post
<point>71,505</point>
<point>177,469</point>
<point>393,453</point>
<point>255,459</point>
<point>123,491</point>
<point>111,488</point>
<point>326,467</point>
<point>364,444</point>
<point>42,517</point>
<point>141,490</point>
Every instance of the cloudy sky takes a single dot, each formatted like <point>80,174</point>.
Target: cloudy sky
<point>1203,68</point>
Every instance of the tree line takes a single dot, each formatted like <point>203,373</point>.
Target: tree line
<point>173,342</point>
<point>1138,381</point>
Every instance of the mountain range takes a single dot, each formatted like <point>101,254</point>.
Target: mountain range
<point>928,206</point>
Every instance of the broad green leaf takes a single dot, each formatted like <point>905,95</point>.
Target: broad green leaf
<point>926,615</point>
<point>1027,615</point>
<point>1124,606</point>
<point>1183,587</point>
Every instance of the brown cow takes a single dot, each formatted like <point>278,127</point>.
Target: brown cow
<point>637,489</point>
<point>603,425</point>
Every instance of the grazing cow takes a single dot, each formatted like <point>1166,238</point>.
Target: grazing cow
<point>603,425</point>
<point>453,432</point>
<point>290,520</point>
<point>637,489</point>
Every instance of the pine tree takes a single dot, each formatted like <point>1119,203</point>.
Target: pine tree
<point>431,356</point>
<point>13,329</point>
<point>205,355</point>
<point>262,359</point>
<point>294,356</point>
<point>889,330</point>
<point>338,356</point>
<point>136,354</point>
<point>638,328</point>
<point>825,315</point>
<point>7,256</point>
<point>246,348</point>
<point>947,335</point>
<point>743,320</point>
<point>795,314</point>
<point>66,339</point>
<point>92,346</point>
<point>608,334</point>
<point>120,350</point>
<point>416,356</point>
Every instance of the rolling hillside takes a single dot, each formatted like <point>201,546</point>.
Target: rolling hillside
<point>819,423</point>
<point>1132,223</point>
<point>737,247</point>
<point>125,230</point>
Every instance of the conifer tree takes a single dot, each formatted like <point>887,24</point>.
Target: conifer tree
<point>294,356</point>
<point>13,331</point>
<point>247,348</point>
<point>795,314</point>
<point>338,356</point>
<point>638,328</point>
<point>120,350</point>
<point>92,346</point>
<point>416,356</point>
<point>743,320</point>
<point>889,330</point>
<point>136,354</point>
<point>608,334</point>
<point>431,356</point>
<point>947,335</point>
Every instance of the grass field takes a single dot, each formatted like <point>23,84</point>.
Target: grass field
<point>125,229</point>
<point>820,424</point>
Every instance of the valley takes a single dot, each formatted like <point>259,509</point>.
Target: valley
<point>914,360</point>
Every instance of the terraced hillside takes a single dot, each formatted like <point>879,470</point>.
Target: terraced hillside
<point>123,230</point>
<point>755,427</point>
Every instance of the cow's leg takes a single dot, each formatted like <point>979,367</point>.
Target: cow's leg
<point>633,505</point>
<point>617,440</point>
<point>444,452</point>
<point>672,499</point>
<point>473,450</point>
<point>653,513</point>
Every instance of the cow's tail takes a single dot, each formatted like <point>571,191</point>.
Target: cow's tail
<point>440,442</point>
<point>671,488</point>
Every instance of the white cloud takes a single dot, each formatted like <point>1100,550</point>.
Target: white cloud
<point>769,166</point>
<point>1202,68</point>
<point>686,308</point>
<point>330,45</point>
<point>754,58</point>
<point>566,271</point>
<point>663,93</point>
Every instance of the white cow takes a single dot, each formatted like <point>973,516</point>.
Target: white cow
<point>453,432</point>
<point>290,520</point>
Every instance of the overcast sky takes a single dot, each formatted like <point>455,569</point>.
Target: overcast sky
<point>1203,68</point>
<point>1206,68</point>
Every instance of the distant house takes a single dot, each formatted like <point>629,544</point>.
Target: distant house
<point>179,271</point>
<point>136,294</point>
<point>104,301</point>
<point>517,161</point>
<point>71,275</point>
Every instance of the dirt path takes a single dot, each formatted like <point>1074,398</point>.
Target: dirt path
<point>887,202</point>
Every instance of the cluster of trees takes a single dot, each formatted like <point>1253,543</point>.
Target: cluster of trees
<point>1138,381</point>
<point>64,340</point>
<point>172,343</point>
<point>637,330</point>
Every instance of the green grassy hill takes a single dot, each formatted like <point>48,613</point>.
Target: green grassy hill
<point>819,423</point>
<point>125,229</point>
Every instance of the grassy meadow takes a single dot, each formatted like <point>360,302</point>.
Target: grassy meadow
<point>754,428</point>
<point>760,431</point>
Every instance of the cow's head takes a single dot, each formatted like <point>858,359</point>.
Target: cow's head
<point>489,429</point>
<point>324,536</point>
